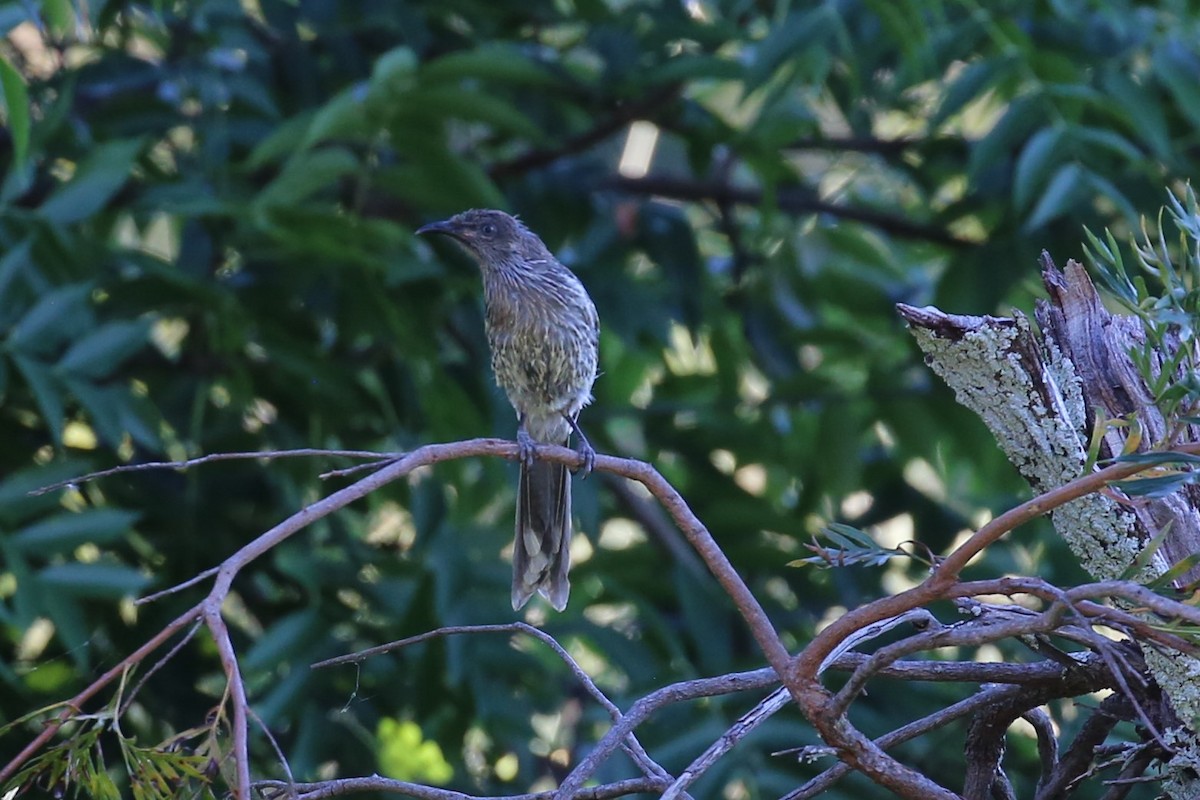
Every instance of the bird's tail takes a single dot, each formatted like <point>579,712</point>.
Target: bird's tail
<point>541,552</point>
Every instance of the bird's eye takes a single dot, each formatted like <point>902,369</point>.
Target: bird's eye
<point>488,229</point>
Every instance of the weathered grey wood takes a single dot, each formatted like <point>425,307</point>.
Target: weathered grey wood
<point>1042,393</point>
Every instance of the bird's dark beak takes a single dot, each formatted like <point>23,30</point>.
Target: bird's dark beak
<point>443,227</point>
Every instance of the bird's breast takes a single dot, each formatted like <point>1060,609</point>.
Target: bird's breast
<point>544,361</point>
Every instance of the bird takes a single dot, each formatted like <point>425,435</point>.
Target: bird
<point>544,336</point>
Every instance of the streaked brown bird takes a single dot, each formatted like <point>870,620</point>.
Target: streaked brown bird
<point>544,336</point>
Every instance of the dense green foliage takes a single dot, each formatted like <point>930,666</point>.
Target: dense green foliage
<point>206,245</point>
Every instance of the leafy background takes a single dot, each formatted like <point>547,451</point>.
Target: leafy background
<point>206,245</point>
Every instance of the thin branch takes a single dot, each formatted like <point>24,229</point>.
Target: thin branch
<point>745,724</point>
<point>375,783</point>
<point>283,762</point>
<point>656,524</point>
<point>1131,774</point>
<point>642,709</point>
<point>793,200</point>
<point>632,746</point>
<point>179,587</point>
<point>237,695</point>
<point>268,455</point>
<point>1047,741</point>
<point>73,706</point>
<point>1074,763</point>
<point>803,674</point>
<point>859,144</point>
<point>1091,672</point>
<point>654,103</point>
<point>133,693</point>
<point>695,532</point>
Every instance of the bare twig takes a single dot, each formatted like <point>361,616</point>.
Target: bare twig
<point>803,675</point>
<point>745,724</point>
<point>793,200</point>
<point>656,523</point>
<point>75,704</point>
<point>1093,732</point>
<point>129,698</point>
<point>1131,774</point>
<point>375,783</point>
<point>1047,741</point>
<point>237,696</point>
<point>283,762</point>
<point>654,103</point>
<point>1091,672</point>
<point>638,753</point>
<point>179,587</point>
<point>642,709</point>
<point>209,609</point>
<point>267,455</point>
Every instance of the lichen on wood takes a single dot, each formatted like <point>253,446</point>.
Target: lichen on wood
<point>1042,393</point>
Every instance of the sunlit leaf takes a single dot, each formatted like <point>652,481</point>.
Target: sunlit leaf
<point>63,532</point>
<point>95,181</point>
<point>16,109</point>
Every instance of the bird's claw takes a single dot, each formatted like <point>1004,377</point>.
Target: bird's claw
<point>588,452</point>
<point>526,447</point>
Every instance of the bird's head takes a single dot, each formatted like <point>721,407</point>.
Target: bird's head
<point>491,236</point>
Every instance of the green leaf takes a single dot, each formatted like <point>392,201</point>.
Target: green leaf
<point>1159,457</point>
<point>669,240</point>
<point>99,353</point>
<point>1108,140</point>
<point>695,66</point>
<point>343,116</point>
<point>492,63</point>
<point>11,265</point>
<point>46,392</point>
<point>100,176</point>
<point>442,181</point>
<point>794,34</point>
<point>64,532</point>
<point>1103,186</point>
<point>1147,553</point>
<point>997,147</point>
<point>307,174</point>
<point>283,640</point>
<point>448,103</point>
<point>1142,110</point>
<point>394,71</point>
<point>283,140</point>
<point>59,16</point>
<point>16,107</point>
<point>1156,487</point>
<point>1178,67</point>
<point>103,405</point>
<point>15,501</point>
<point>138,416</point>
<point>104,581</point>
<point>1039,153</point>
<point>56,317</point>
<point>968,85</point>
<point>1059,197</point>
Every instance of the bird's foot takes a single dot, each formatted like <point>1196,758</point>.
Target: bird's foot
<point>526,447</point>
<point>584,449</point>
<point>588,452</point>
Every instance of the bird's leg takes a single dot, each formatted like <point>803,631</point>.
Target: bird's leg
<point>526,447</point>
<point>585,447</point>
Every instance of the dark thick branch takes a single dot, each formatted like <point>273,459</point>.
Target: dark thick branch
<point>652,104</point>
<point>790,199</point>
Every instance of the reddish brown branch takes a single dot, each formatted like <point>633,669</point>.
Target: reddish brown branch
<point>819,705</point>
